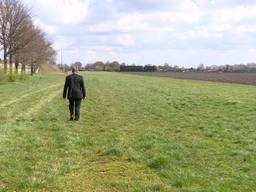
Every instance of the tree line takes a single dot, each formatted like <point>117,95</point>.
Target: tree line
<point>21,41</point>
<point>97,66</point>
<point>108,66</point>
<point>122,67</point>
<point>236,68</point>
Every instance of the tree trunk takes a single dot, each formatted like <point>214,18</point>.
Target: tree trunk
<point>32,69</point>
<point>16,66</point>
<point>10,63</point>
<point>23,69</point>
<point>5,61</point>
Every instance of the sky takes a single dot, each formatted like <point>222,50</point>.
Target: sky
<point>179,32</point>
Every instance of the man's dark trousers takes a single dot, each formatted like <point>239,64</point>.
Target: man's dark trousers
<point>74,107</point>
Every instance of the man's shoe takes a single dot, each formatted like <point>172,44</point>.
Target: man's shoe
<point>71,119</point>
<point>76,119</point>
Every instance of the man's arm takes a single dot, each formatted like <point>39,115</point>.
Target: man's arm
<point>65,88</point>
<point>83,88</point>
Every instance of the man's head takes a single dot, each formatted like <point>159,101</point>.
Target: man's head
<point>74,70</point>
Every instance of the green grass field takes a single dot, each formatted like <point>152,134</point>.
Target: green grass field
<point>136,134</point>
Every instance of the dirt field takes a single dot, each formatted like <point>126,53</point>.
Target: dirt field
<point>240,78</point>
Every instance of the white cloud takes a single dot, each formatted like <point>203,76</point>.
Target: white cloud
<point>229,20</point>
<point>63,42</point>
<point>126,40</point>
<point>190,16</point>
<point>204,33</point>
<point>149,31</point>
<point>125,23</point>
<point>49,29</point>
<point>234,14</point>
<point>64,11</point>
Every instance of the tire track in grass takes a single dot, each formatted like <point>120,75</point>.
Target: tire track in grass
<point>40,104</point>
<point>11,130</point>
<point>27,95</point>
<point>8,128</point>
<point>22,116</point>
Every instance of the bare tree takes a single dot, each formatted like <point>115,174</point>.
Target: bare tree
<point>15,21</point>
<point>25,45</point>
<point>36,52</point>
<point>20,40</point>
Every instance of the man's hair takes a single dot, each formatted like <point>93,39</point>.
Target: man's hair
<point>74,70</point>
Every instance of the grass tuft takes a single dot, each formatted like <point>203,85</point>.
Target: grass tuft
<point>159,163</point>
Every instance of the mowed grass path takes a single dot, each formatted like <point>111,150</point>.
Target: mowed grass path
<point>136,134</point>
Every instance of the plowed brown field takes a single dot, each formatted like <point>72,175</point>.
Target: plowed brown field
<point>239,78</point>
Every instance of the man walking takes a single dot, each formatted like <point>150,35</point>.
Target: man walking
<point>74,90</point>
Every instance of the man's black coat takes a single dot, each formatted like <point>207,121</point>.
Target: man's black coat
<point>74,87</point>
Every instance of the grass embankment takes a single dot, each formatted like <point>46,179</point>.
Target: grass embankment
<point>136,134</point>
